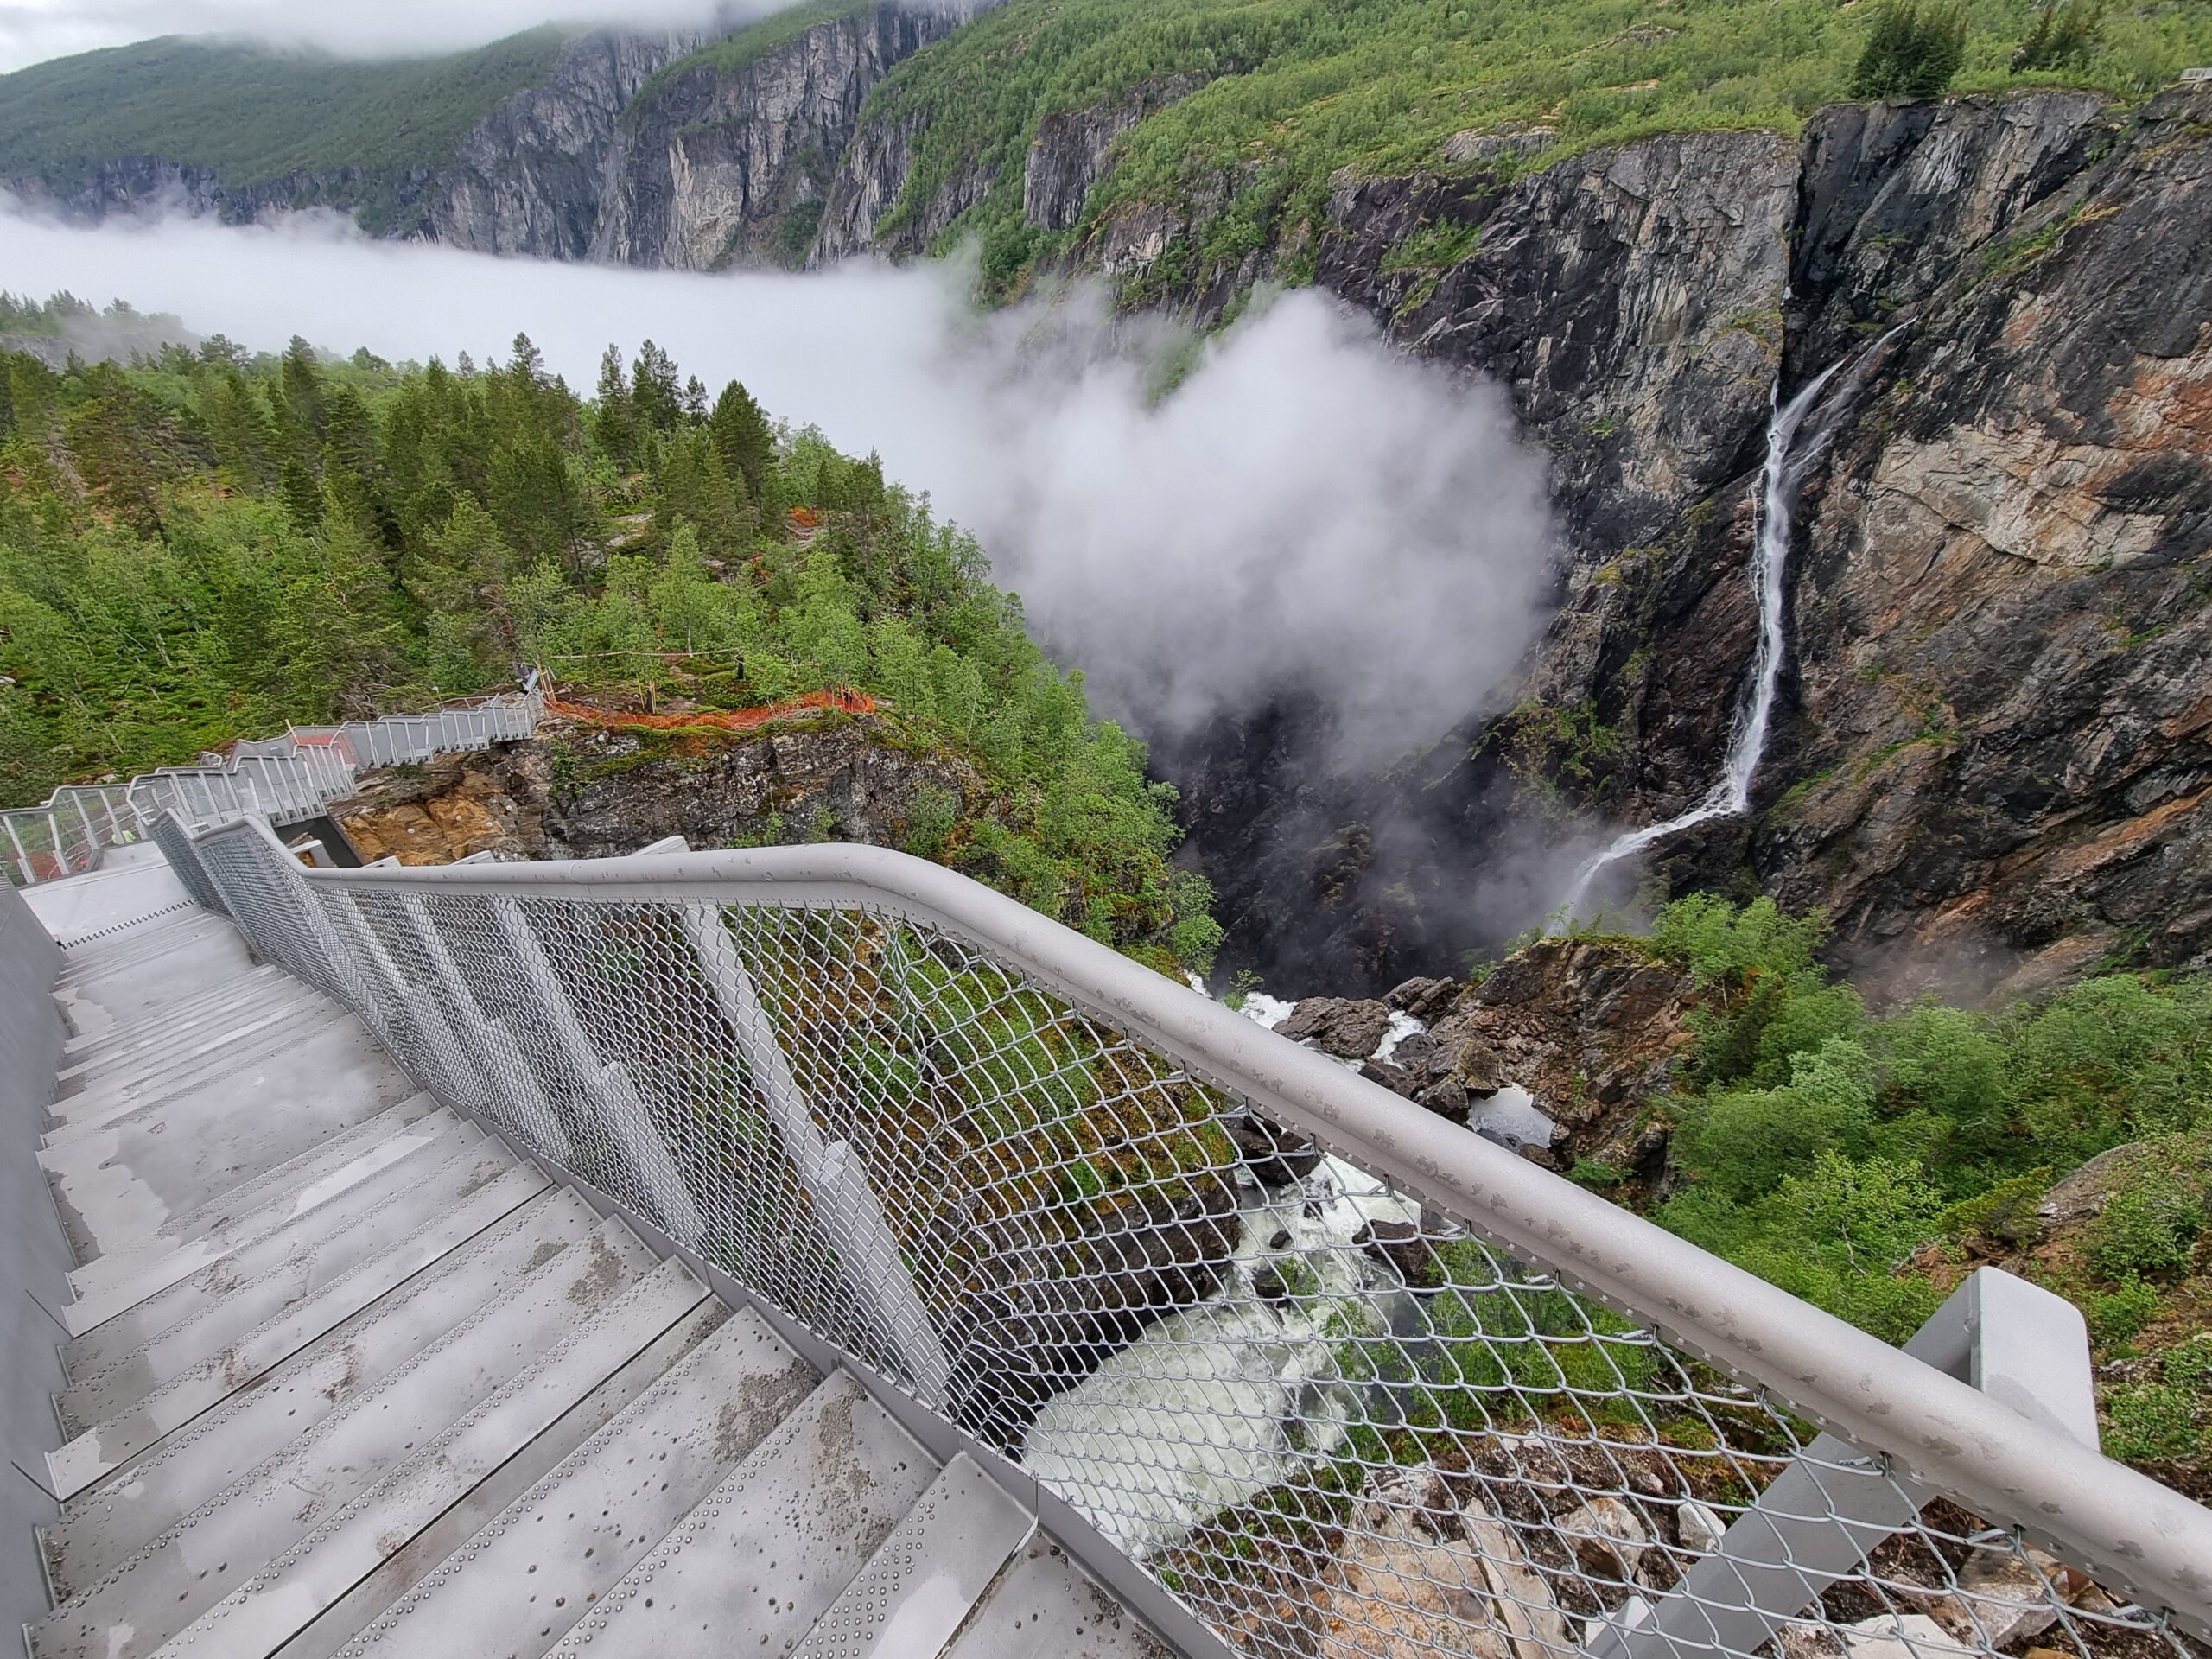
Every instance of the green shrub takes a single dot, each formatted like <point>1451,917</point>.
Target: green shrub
<point>2149,1226</point>
<point>2115,1316</point>
<point>2156,1421</point>
<point>1910,52</point>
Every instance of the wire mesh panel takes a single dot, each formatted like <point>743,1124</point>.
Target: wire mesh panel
<point>1329,1418</point>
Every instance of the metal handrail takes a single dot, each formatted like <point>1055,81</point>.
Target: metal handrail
<point>1918,1425</point>
<point>283,780</point>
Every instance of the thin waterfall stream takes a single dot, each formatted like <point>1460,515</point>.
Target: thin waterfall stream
<point>1731,794</point>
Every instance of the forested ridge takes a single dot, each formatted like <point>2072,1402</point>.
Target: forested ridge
<point>206,544</point>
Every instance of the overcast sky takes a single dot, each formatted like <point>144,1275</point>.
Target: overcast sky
<point>32,30</point>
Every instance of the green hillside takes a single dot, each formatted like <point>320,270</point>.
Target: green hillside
<point>1296,89</point>
<point>250,114</point>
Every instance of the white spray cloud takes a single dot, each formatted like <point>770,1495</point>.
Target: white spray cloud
<point>1304,511</point>
<point>34,30</point>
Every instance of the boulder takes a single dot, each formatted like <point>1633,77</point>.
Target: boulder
<point>1421,998</point>
<point>1698,1528</point>
<point>1273,1153</point>
<point>1607,1536</point>
<point>1341,1025</point>
<point>1401,1244</point>
<point>1899,1635</point>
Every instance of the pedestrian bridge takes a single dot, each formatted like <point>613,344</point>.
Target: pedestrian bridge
<point>809,1251</point>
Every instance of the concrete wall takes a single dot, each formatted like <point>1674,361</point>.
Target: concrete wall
<point>33,1258</point>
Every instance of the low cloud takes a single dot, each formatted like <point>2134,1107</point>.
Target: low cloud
<point>1303,512</point>
<point>34,30</point>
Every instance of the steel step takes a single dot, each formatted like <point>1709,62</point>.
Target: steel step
<point>259,1207</point>
<point>151,1300</point>
<point>103,959</point>
<point>193,1080</point>
<point>922,1581</point>
<point>163,1588</point>
<point>118,1184</point>
<point>310,1580</point>
<point>583,1260</point>
<point>238,1292</point>
<point>755,1566</point>
<point>99,1081</point>
<point>102,1000</point>
<point>213,1003</point>
<point>518,1585</point>
<point>164,1402</point>
<point>1042,1604</point>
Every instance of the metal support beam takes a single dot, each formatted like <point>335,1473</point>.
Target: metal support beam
<point>1824,1515</point>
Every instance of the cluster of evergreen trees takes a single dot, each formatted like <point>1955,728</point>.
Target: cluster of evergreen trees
<point>206,544</point>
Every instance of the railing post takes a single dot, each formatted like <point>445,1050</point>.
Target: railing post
<point>622,1112</point>
<point>849,1209</point>
<point>1820,1518</point>
<point>507,1072</point>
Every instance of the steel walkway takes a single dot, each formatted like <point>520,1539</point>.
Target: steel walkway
<point>346,1375</point>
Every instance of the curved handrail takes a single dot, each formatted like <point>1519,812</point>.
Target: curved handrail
<point>2116,1522</point>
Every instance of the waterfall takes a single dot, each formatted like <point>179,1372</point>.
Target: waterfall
<point>1732,792</point>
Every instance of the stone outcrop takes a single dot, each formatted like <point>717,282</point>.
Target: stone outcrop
<point>591,793</point>
<point>715,167</point>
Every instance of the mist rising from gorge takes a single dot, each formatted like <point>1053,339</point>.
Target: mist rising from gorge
<point>1303,512</point>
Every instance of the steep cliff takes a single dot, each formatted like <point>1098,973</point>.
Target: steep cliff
<point>720,163</point>
<point>1992,756</point>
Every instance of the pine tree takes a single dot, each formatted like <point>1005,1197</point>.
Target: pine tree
<point>1911,53</point>
<point>742,434</point>
<point>654,390</point>
<point>615,421</point>
<point>2064,36</point>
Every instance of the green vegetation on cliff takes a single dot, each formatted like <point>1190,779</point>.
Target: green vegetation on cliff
<point>204,545</point>
<point>1294,90</point>
<point>250,115</point>
<point>1866,1163</point>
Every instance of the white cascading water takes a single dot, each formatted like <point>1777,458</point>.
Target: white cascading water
<point>1732,794</point>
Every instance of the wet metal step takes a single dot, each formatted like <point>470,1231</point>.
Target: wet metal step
<point>260,1206</point>
<point>117,1185</point>
<point>251,1286</point>
<point>101,1091</point>
<point>170,1403</point>
<point>160,1294</point>
<point>754,1565</point>
<point>1042,1604</point>
<point>558,1248</point>
<point>523,1581</point>
<point>921,1583</point>
<point>161,1589</point>
<point>277,1604</point>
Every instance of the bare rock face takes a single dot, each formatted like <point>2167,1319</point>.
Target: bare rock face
<point>601,794</point>
<point>715,167</point>
<point>1068,154</point>
<point>1350,1030</point>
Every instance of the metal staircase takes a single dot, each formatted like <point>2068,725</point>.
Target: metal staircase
<point>345,1373</point>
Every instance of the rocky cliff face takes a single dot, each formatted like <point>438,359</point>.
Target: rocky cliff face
<point>1992,762</point>
<point>590,793</point>
<point>715,167</point>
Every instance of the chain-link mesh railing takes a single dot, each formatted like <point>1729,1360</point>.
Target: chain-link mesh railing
<point>283,780</point>
<point>1344,1379</point>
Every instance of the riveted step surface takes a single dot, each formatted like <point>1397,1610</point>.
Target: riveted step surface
<point>923,1580</point>
<point>269,1201</point>
<point>100,1087</point>
<point>1041,1605</point>
<point>764,1556</point>
<point>584,1264</point>
<point>120,1183</point>
<point>159,1295</point>
<point>193,1081</point>
<point>160,1403</point>
<point>313,1579</point>
<point>105,996</point>
<point>246,1287</point>
<point>140,1601</point>
<point>219,1003</point>
<point>517,1586</point>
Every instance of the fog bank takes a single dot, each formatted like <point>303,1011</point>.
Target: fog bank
<point>31,31</point>
<point>1304,509</point>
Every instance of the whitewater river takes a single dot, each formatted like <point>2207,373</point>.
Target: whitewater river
<point>1216,1403</point>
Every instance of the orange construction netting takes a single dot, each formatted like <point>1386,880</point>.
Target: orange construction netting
<point>727,720</point>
